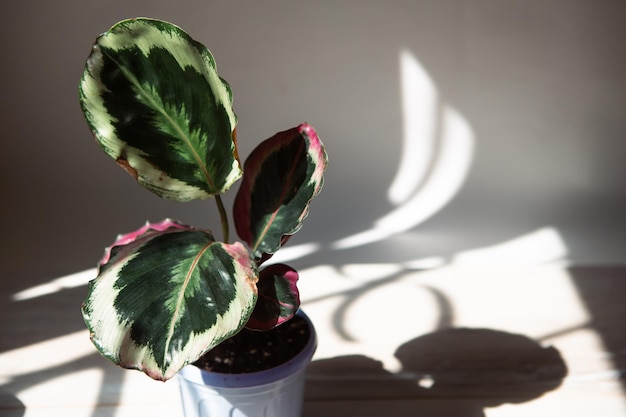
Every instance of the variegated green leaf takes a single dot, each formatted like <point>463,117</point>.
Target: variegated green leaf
<point>166,295</point>
<point>278,299</point>
<point>156,105</point>
<point>281,176</point>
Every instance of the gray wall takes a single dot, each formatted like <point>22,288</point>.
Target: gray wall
<point>537,90</point>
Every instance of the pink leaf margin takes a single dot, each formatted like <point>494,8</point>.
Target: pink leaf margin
<point>146,230</point>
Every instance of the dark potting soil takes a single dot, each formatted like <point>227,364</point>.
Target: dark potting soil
<point>252,351</point>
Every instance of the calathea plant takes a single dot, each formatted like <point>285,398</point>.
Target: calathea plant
<point>167,293</point>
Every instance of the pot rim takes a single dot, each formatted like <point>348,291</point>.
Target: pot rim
<point>199,376</point>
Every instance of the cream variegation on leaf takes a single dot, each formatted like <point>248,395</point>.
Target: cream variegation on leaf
<point>167,293</point>
<point>157,106</point>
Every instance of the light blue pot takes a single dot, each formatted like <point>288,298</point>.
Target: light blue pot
<point>276,392</point>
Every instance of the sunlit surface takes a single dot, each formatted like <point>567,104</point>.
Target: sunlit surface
<point>32,358</point>
<point>65,377</point>
<point>387,306</point>
<point>367,311</point>
<point>448,174</point>
<point>46,396</point>
<point>372,309</point>
<point>363,309</point>
<point>420,107</point>
<point>541,246</point>
<point>438,149</point>
<point>292,252</point>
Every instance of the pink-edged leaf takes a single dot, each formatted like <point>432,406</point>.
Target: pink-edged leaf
<point>278,297</point>
<point>267,256</point>
<point>166,294</point>
<point>281,177</point>
<point>143,232</point>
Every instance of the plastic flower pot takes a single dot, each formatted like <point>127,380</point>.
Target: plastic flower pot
<point>276,392</point>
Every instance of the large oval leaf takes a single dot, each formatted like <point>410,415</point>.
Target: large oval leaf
<point>156,105</point>
<point>281,176</point>
<point>164,297</point>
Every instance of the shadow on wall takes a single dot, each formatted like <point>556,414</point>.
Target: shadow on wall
<point>11,406</point>
<point>435,211</point>
<point>456,371</point>
<point>602,291</point>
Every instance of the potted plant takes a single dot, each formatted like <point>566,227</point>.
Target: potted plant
<point>168,296</point>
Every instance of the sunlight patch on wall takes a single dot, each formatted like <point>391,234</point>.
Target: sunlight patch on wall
<point>437,152</point>
<point>450,168</point>
<point>544,245</point>
<point>290,253</point>
<point>419,100</point>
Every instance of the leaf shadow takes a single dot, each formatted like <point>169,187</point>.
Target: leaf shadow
<point>10,405</point>
<point>454,371</point>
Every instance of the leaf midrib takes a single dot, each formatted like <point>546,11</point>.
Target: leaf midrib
<point>181,297</point>
<point>275,211</point>
<point>155,105</point>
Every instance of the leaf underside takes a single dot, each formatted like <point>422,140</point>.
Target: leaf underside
<point>278,298</point>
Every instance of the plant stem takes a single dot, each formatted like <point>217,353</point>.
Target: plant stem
<point>223,217</point>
